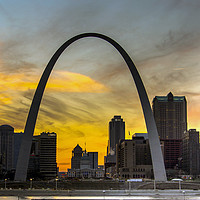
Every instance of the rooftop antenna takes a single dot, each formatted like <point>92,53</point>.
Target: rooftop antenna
<point>85,147</point>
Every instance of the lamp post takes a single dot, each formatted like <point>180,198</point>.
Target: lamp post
<point>56,183</point>
<point>5,183</point>
<point>31,183</point>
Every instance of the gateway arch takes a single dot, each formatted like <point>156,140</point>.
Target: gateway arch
<point>156,154</point>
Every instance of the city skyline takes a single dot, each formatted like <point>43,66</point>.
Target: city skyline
<point>161,37</point>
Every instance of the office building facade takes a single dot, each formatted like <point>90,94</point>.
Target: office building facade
<point>171,153</point>
<point>93,156</point>
<point>191,152</point>
<point>47,155</point>
<point>6,148</point>
<point>134,159</point>
<point>116,133</point>
<point>170,113</point>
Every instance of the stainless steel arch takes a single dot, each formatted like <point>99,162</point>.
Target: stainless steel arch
<point>156,154</point>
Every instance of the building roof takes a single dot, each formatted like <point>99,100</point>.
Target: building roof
<point>166,98</point>
<point>6,127</point>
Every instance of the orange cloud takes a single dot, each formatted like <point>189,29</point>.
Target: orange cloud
<point>5,99</point>
<point>62,81</point>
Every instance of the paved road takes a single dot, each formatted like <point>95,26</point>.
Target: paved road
<point>100,194</point>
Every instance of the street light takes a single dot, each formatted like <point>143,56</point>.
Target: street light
<point>31,183</point>
<point>56,183</point>
<point>5,183</point>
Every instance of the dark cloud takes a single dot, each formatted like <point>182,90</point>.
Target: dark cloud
<point>18,66</point>
<point>177,42</point>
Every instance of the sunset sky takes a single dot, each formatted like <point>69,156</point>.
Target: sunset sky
<point>91,83</point>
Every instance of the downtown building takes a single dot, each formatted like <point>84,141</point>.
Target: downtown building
<point>84,164</point>
<point>77,154</point>
<point>42,160</point>
<point>47,154</point>
<point>134,158</point>
<point>170,113</point>
<point>190,153</point>
<point>6,149</point>
<point>116,133</point>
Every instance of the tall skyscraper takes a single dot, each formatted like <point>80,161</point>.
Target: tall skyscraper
<point>47,155</point>
<point>6,148</point>
<point>170,113</point>
<point>116,133</point>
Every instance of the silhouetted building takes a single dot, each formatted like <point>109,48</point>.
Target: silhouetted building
<point>171,152</point>
<point>17,143</point>
<point>85,161</point>
<point>116,133</point>
<point>76,157</point>
<point>93,160</point>
<point>134,159</point>
<point>191,152</point>
<point>34,160</point>
<point>6,148</point>
<point>47,155</point>
<point>170,113</point>
<point>84,164</point>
